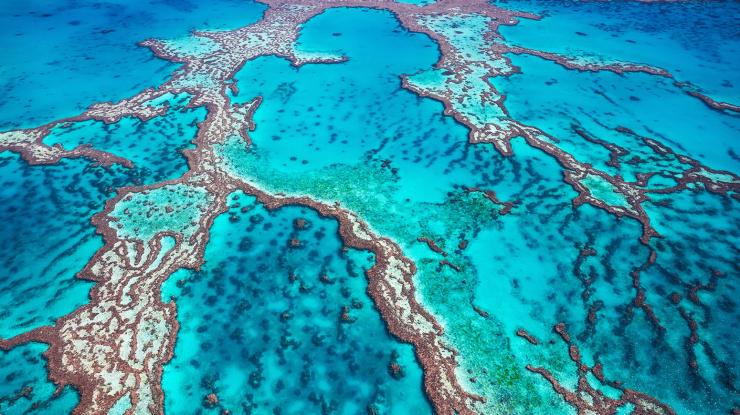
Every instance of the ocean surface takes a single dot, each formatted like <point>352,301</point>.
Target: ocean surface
<point>278,318</point>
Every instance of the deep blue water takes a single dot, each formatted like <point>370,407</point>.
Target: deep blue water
<point>156,151</point>
<point>45,218</point>
<point>24,368</point>
<point>60,57</point>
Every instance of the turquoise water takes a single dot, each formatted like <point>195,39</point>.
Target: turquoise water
<point>650,105</point>
<point>509,257</point>
<point>261,323</point>
<point>416,2</point>
<point>47,210</point>
<point>314,107</point>
<point>696,43</point>
<point>61,57</point>
<point>334,148</point>
<point>555,99</point>
<point>699,230</point>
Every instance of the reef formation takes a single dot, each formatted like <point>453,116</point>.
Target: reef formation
<point>114,347</point>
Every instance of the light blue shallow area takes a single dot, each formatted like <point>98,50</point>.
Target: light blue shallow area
<point>553,98</point>
<point>336,110</point>
<point>696,42</point>
<point>261,324</point>
<point>416,2</point>
<point>355,113</point>
<point>60,57</point>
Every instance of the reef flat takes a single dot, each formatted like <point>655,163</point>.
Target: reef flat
<point>540,229</point>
